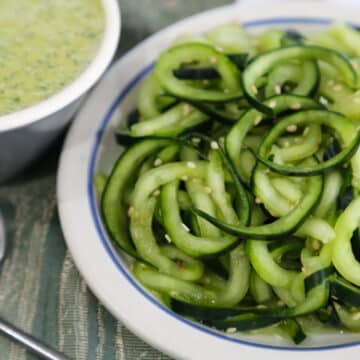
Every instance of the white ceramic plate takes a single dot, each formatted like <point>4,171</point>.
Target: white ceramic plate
<point>91,147</point>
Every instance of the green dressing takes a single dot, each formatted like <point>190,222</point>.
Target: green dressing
<point>44,46</point>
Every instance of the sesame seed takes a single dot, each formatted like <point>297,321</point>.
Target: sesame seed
<point>208,189</point>
<point>261,306</point>
<point>191,165</point>
<point>185,227</point>
<point>196,140</point>
<point>294,203</point>
<point>286,144</point>
<point>257,120</point>
<point>356,100</point>
<point>219,48</point>
<point>331,82</point>
<point>156,193</point>
<point>231,330</point>
<point>258,200</point>
<point>280,303</point>
<point>212,301</point>
<point>337,87</point>
<point>304,271</point>
<point>184,178</point>
<point>185,110</point>
<point>173,293</point>
<point>254,90</point>
<point>306,131</point>
<point>295,106</point>
<point>267,171</point>
<point>272,104</point>
<point>298,140</point>
<point>356,316</point>
<point>292,128</point>
<point>168,238</point>
<point>213,60</point>
<point>157,162</point>
<point>214,145</point>
<point>341,332</point>
<point>355,65</point>
<point>131,210</point>
<point>316,244</point>
<point>323,100</point>
<point>277,89</point>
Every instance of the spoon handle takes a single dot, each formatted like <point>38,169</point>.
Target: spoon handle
<point>30,343</point>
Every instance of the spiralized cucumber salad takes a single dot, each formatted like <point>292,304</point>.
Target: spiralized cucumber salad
<point>237,196</point>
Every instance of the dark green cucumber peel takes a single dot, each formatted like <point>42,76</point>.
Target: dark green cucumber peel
<point>234,141</point>
<point>281,227</point>
<point>240,60</point>
<point>346,197</point>
<point>185,53</point>
<point>133,117</point>
<point>292,37</point>
<point>244,322</point>
<point>198,247</point>
<point>342,126</point>
<point>213,110</point>
<point>215,113</point>
<point>333,149</point>
<point>293,329</point>
<point>193,73</point>
<point>318,277</point>
<point>287,255</point>
<point>113,209</point>
<point>355,245</point>
<point>344,291</point>
<point>262,63</point>
<point>323,167</point>
<point>240,188</point>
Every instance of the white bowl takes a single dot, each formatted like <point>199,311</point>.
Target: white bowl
<point>91,147</point>
<point>26,133</point>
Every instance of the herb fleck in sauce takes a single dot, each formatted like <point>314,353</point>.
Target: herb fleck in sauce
<point>44,46</point>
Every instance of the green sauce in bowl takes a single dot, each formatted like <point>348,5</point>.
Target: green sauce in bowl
<point>44,46</point>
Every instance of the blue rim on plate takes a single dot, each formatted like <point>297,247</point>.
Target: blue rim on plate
<point>97,219</point>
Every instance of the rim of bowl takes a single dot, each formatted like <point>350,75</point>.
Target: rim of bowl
<point>81,84</point>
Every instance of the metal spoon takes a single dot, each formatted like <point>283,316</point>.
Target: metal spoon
<point>35,346</point>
